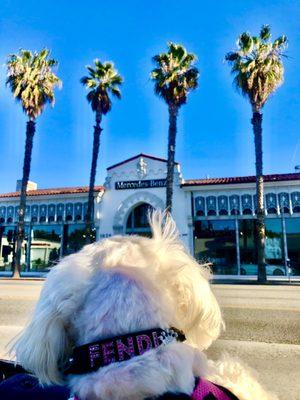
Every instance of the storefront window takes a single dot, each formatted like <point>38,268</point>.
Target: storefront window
<point>274,252</point>
<point>6,247</point>
<point>248,255</point>
<point>293,243</point>
<point>45,242</point>
<point>274,249</point>
<point>74,238</point>
<point>41,248</point>
<point>215,242</point>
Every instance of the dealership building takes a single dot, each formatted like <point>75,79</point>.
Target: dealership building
<point>215,217</point>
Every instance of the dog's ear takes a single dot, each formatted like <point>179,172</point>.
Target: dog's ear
<point>185,284</point>
<point>197,311</point>
<point>45,344</point>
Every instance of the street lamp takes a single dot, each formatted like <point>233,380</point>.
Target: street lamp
<point>297,168</point>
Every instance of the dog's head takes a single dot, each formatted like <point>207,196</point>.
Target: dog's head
<point>119,285</point>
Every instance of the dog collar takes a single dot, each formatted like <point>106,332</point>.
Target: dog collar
<point>91,356</point>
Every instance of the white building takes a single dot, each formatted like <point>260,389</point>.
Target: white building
<point>215,217</point>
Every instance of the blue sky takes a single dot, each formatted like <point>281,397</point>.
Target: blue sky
<point>214,130</point>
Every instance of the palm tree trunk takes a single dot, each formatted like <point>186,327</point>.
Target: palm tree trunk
<point>89,218</point>
<point>173,112</point>
<point>260,219</point>
<point>30,130</point>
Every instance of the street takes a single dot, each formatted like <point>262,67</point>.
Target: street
<point>262,328</point>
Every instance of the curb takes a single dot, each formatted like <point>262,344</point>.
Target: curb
<point>31,278</point>
<point>254,283</point>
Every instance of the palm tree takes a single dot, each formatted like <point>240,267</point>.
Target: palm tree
<point>103,80</point>
<point>258,71</point>
<point>174,77</point>
<point>32,82</point>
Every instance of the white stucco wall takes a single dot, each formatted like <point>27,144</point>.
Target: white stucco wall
<point>116,204</point>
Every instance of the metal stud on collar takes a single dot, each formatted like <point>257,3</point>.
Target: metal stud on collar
<point>168,336</point>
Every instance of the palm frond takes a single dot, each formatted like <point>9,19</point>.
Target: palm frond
<point>257,65</point>
<point>31,80</point>
<point>103,79</point>
<point>265,32</point>
<point>245,43</point>
<point>280,43</point>
<point>174,74</point>
<point>116,92</point>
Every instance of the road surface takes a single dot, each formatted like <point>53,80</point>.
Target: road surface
<point>262,328</point>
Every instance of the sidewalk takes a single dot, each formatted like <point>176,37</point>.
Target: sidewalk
<point>277,364</point>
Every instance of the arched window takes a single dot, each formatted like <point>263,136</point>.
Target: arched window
<point>271,203</point>
<point>234,204</point>
<point>51,212</point>
<point>211,205</point>
<point>199,206</point>
<point>3,213</point>
<point>247,204</point>
<point>223,205</point>
<point>69,211</point>
<point>60,212</point>
<point>296,202</point>
<point>34,213</point>
<point>284,202</point>
<point>43,212</point>
<point>78,211</point>
<point>27,212</point>
<point>137,221</point>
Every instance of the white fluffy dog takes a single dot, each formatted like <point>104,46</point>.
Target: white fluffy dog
<point>126,284</point>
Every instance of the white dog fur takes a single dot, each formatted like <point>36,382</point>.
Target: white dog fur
<point>125,284</point>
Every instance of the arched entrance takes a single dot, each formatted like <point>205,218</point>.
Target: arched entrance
<point>129,204</point>
<point>137,221</point>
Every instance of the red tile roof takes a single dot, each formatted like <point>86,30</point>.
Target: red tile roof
<point>53,191</point>
<point>138,156</point>
<point>241,179</point>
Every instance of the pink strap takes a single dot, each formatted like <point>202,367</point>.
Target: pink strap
<point>205,388</point>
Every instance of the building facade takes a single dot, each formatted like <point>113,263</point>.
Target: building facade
<point>54,225</point>
<point>215,217</point>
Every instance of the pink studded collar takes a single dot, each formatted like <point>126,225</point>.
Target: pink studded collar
<point>92,356</point>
